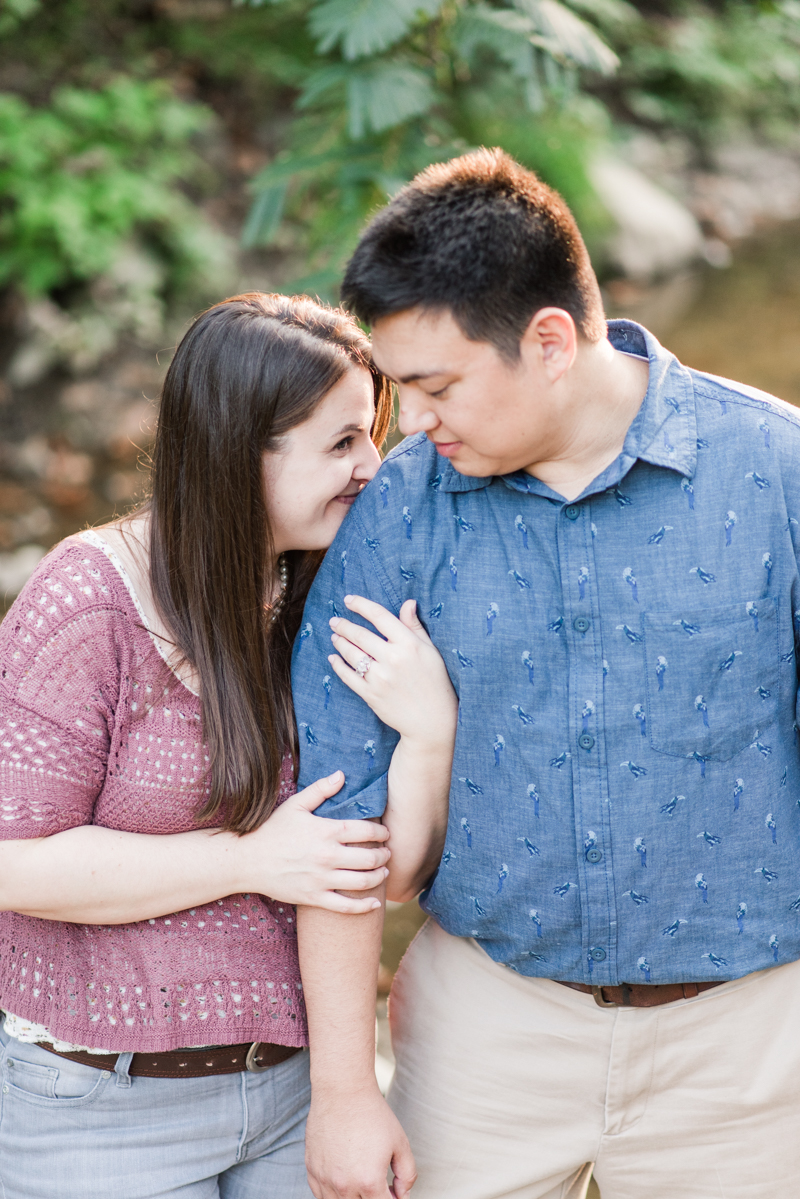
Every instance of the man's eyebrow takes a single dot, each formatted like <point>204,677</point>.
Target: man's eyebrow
<point>423,375</point>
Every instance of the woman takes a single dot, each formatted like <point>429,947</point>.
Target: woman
<point>153,1036</point>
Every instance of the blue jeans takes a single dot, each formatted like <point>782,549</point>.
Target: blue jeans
<point>72,1132</point>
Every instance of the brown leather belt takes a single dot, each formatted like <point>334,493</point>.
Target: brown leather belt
<point>641,994</point>
<point>190,1063</point>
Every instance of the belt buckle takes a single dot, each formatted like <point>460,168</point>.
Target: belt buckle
<point>600,998</point>
<point>250,1061</point>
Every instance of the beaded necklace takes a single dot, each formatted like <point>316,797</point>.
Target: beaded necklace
<point>283,574</point>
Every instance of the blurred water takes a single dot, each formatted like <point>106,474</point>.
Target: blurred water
<point>742,322</point>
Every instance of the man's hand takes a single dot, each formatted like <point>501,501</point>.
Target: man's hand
<point>351,1141</point>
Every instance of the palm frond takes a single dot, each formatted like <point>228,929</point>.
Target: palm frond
<point>564,34</point>
<point>364,27</point>
<point>383,94</point>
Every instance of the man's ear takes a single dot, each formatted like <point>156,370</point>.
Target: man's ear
<point>552,339</point>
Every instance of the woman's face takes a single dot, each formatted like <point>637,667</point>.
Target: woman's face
<point>321,466</point>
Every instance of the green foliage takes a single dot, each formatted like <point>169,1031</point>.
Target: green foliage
<point>362,27</point>
<point>12,12</point>
<point>398,84</point>
<point>94,168</point>
<point>709,73</point>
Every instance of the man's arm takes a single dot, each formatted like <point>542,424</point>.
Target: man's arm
<point>408,688</point>
<point>352,1136</point>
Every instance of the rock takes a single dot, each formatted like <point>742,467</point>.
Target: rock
<point>739,186</point>
<point>750,185</point>
<point>655,234</point>
<point>17,567</point>
<point>58,464</point>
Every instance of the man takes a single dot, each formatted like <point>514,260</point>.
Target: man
<point>603,546</point>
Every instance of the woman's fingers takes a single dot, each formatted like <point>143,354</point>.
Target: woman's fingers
<point>350,831</point>
<point>351,857</point>
<point>358,880</point>
<point>411,620</point>
<point>363,639</point>
<point>385,621</point>
<point>348,675</point>
<point>352,654</point>
<point>312,796</point>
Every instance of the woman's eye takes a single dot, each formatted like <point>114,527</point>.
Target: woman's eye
<point>344,444</point>
<point>437,395</point>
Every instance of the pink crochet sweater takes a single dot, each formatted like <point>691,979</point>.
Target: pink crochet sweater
<point>94,729</point>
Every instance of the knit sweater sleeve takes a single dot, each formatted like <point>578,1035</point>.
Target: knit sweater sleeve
<point>62,651</point>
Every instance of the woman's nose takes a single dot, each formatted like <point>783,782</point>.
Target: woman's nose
<point>368,465</point>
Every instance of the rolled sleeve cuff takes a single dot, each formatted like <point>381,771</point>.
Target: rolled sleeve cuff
<point>369,804</point>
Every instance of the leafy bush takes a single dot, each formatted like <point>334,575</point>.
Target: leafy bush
<point>93,216</point>
<point>83,175</point>
<point>398,84</point>
<point>709,72</point>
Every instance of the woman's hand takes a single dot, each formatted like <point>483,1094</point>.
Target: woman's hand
<point>406,682</point>
<point>96,875</point>
<point>299,858</point>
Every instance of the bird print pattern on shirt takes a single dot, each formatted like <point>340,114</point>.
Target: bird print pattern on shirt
<point>730,521</point>
<point>583,578</point>
<point>688,659</point>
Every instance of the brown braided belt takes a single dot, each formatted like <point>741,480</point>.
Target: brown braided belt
<point>190,1063</point>
<point>641,994</point>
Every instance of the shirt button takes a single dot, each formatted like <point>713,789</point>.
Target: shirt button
<point>586,741</point>
<point>582,624</point>
<point>594,856</point>
<point>597,954</point>
<point>572,511</point>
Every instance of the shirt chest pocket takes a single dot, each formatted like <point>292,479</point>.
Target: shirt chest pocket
<point>712,678</point>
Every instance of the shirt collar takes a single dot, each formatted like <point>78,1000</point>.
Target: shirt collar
<point>663,432</point>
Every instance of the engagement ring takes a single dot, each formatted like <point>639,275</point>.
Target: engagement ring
<point>363,664</point>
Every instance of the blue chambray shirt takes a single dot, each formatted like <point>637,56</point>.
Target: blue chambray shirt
<point>624,799</point>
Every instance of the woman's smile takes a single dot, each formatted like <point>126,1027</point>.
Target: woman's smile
<point>347,497</point>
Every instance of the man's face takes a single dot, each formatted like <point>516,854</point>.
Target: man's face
<point>488,416</point>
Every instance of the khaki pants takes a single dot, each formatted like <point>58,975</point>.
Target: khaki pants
<point>511,1087</point>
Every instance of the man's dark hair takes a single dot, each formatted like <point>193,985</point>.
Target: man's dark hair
<point>484,238</point>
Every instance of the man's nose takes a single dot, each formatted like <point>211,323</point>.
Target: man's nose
<point>414,417</point>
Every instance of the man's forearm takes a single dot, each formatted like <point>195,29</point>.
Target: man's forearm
<point>352,1137</point>
<point>339,958</point>
<point>416,813</point>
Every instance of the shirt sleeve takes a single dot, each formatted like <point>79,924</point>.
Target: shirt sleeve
<point>336,729</point>
<point>58,679</point>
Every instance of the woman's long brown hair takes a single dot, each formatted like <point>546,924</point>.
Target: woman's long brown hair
<point>248,370</point>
